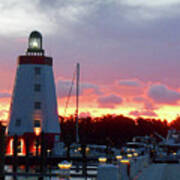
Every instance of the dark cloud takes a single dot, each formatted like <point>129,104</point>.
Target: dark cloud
<point>63,88</point>
<point>105,36</point>
<point>126,48</point>
<point>162,94</point>
<point>129,83</point>
<point>110,101</point>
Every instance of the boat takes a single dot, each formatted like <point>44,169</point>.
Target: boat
<point>139,144</point>
<point>168,149</point>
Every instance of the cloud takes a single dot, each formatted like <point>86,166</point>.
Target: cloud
<point>4,95</point>
<point>3,113</point>
<point>110,101</point>
<point>129,83</point>
<point>64,86</point>
<point>62,16</point>
<point>3,116</point>
<point>151,3</point>
<point>119,47</point>
<point>139,99</point>
<point>108,37</point>
<point>19,17</point>
<point>84,114</point>
<point>148,104</point>
<point>128,87</point>
<point>162,94</point>
<point>151,9</point>
<point>143,113</point>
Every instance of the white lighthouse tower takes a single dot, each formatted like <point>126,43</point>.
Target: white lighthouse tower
<point>33,107</point>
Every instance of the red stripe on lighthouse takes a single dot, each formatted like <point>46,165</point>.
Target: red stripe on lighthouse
<point>42,60</point>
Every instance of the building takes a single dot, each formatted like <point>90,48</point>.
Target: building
<point>33,106</point>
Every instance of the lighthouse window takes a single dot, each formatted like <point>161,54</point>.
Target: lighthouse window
<point>37,70</point>
<point>19,146</point>
<point>20,143</point>
<point>37,87</point>
<point>18,122</point>
<point>37,105</point>
<point>37,123</point>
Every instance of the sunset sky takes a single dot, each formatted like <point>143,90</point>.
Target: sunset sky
<point>129,52</point>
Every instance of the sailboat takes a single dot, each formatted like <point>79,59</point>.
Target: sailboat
<point>74,148</point>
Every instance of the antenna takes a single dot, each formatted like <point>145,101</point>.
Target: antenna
<point>77,101</point>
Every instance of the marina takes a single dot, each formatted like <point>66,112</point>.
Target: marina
<point>94,92</point>
<point>125,166</point>
<point>159,171</point>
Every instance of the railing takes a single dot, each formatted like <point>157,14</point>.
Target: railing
<point>90,174</point>
<point>125,169</point>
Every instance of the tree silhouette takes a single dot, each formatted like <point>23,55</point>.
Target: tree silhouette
<point>118,129</point>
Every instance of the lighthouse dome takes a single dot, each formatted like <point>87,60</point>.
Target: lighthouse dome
<point>35,44</point>
<point>35,34</point>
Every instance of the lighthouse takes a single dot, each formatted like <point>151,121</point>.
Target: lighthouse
<point>33,108</point>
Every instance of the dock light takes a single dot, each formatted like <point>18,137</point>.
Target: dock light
<point>174,153</point>
<point>125,161</point>
<point>128,150</point>
<point>129,155</point>
<point>65,165</point>
<point>133,150</point>
<point>79,149</point>
<point>48,152</point>
<point>135,154</point>
<point>102,160</point>
<point>76,150</point>
<point>118,157</point>
<point>87,149</point>
<point>65,168</point>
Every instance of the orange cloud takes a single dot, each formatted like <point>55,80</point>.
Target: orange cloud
<point>143,113</point>
<point>129,97</point>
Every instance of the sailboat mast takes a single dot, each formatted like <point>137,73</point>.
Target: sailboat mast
<point>77,101</point>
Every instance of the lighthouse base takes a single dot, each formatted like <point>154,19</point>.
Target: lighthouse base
<point>31,144</point>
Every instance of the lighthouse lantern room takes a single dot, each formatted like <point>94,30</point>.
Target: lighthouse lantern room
<point>33,107</point>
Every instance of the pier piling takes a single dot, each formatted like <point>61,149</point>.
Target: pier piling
<point>15,153</point>
<point>2,150</point>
